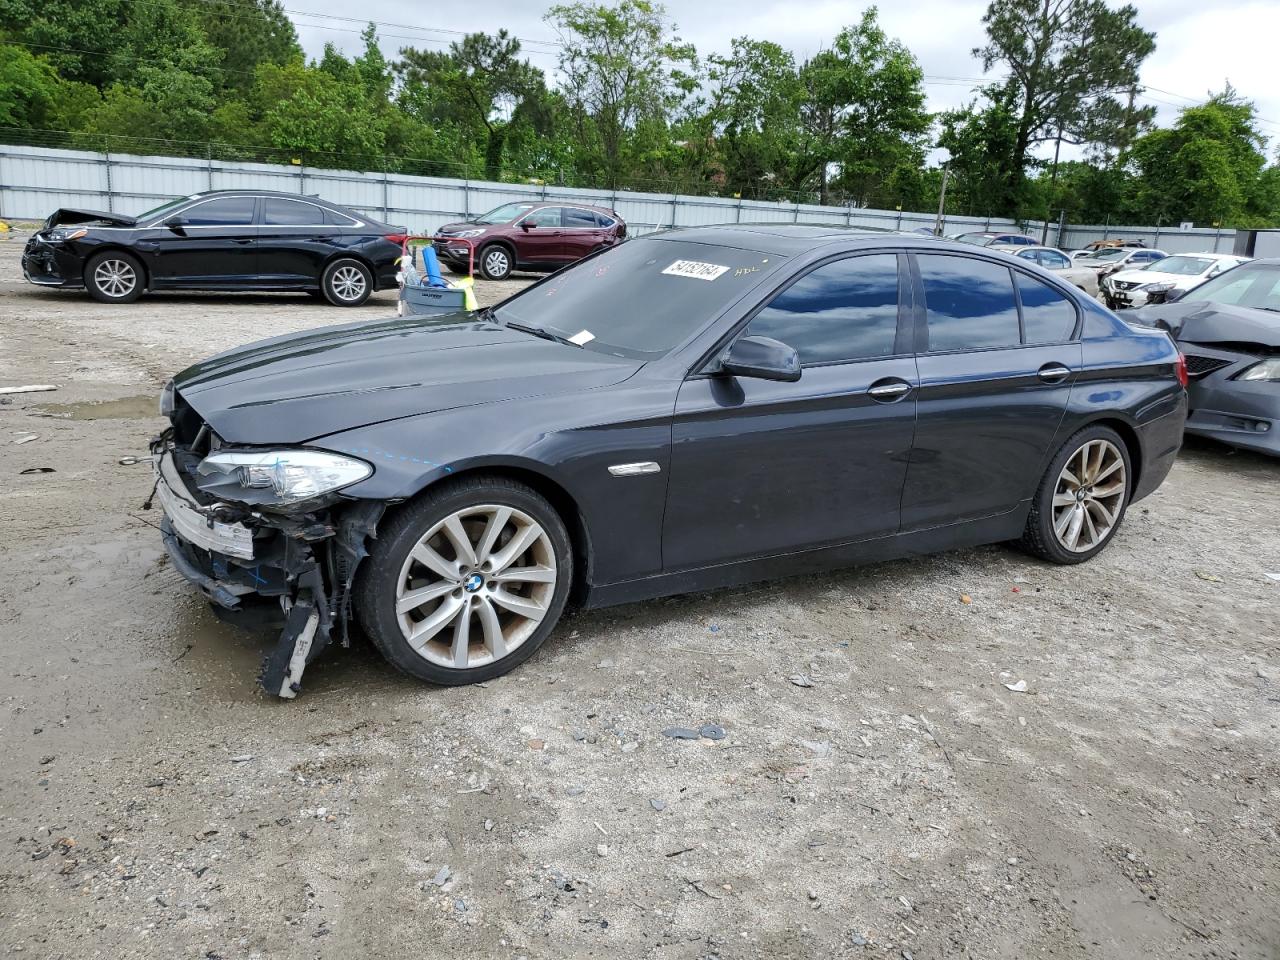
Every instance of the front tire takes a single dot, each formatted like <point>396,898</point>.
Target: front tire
<point>346,283</point>
<point>1082,498</point>
<point>496,262</point>
<point>114,276</point>
<point>466,583</point>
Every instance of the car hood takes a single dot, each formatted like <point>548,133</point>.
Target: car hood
<point>1220,323</point>
<point>1156,276</point>
<point>306,385</point>
<point>449,229</point>
<point>66,215</point>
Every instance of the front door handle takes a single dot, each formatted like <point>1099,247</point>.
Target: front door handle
<point>1054,373</point>
<point>241,241</point>
<point>887,391</point>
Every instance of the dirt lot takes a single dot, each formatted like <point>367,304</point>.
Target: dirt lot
<point>907,804</point>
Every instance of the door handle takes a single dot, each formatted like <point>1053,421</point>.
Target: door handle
<point>241,241</point>
<point>1053,373</point>
<point>887,391</point>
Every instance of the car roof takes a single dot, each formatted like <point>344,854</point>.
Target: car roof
<point>310,197</point>
<point>792,239</point>
<point>1019,247</point>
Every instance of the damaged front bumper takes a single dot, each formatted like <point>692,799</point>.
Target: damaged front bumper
<point>262,571</point>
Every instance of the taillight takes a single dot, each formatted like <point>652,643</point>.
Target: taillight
<point>1182,370</point>
<point>397,238</point>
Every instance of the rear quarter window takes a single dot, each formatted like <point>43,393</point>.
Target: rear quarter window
<point>1047,315</point>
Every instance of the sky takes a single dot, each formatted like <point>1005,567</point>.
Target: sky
<point>1200,45</point>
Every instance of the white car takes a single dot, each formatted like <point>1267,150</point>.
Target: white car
<point>1055,261</point>
<point>1114,259</point>
<point>1181,272</point>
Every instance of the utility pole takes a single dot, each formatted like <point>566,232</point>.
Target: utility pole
<point>942,198</point>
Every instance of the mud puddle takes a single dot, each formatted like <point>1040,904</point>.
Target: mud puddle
<point>141,407</point>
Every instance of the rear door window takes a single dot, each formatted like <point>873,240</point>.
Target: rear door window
<point>844,310</point>
<point>224,212</point>
<point>969,304</point>
<point>278,212</point>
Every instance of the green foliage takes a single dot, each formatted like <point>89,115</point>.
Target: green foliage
<point>625,72</point>
<point>635,107</point>
<point>1207,168</point>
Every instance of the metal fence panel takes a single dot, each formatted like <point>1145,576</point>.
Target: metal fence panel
<point>34,181</point>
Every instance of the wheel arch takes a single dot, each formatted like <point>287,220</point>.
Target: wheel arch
<point>1132,442</point>
<point>550,489</point>
<point>116,247</point>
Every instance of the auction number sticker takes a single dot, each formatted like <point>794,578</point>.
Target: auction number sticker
<point>696,270</point>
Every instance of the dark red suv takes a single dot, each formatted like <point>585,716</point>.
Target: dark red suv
<point>528,236</point>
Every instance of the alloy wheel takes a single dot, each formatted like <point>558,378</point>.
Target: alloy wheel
<point>476,586</point>
<point>1089,496</point>
<point>348,283</point>
<point>115,278</point>
<point>496,262</point>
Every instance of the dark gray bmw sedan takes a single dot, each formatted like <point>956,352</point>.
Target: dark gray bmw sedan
<point>683,411</point>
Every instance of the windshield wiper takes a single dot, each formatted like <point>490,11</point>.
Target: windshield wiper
<point>542,332</point>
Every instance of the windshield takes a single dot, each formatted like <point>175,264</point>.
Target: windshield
<point>505,213</point>
<point>981,239</point>
<point>165,208</point>
<point>1256,285</point>
<point>640,298</point>
<point>1182,266</point>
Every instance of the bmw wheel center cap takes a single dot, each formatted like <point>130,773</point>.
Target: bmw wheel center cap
<point>473,583</point>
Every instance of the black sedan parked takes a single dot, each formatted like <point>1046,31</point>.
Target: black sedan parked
<point>683,411</point>
<point>221,240</point>
<point>1229,329</point>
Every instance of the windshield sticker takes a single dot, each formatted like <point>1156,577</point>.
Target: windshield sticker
<point>696,269</point>
<point>582,337</point>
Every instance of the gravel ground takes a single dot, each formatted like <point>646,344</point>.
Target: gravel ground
<point>898,801</point>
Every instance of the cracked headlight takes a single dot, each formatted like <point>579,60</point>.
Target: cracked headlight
<point>465,235</point>
<point>277,478</point>
<point>1159,287</point>
<point>1268,369</point>
<point>59,235</point>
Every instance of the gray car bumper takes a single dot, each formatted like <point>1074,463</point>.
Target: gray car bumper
<point>1242,413</point>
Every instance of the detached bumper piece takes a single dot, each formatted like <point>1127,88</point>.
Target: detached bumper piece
<point>259,571</point>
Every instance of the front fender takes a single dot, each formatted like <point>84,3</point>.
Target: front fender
<point>570,440</point>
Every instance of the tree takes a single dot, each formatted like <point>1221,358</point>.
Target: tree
<point>624,71</point>
<point>753,114</point>
<point>248,33</point>
<point>1071,65</point>
<point>1207,168</point>
<point>30,89</point>
<point>480,82</point>
<point>883,125</point>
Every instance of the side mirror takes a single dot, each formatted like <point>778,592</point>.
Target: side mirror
<point>762,358</point>
<point>176,224</point>
<point>527,225</point>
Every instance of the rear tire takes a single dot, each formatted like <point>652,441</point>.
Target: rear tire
<point>1082,498</point>
<point>496,262</point>
<point>466,582</point>
<point>114,276</point>
<point>346,283</point>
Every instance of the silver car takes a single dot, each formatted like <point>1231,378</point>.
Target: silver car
<point>1056,261</point>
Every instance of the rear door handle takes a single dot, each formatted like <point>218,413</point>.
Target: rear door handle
<point>242,241</point>
<point>887,391</point>
<point>1054,373</point>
